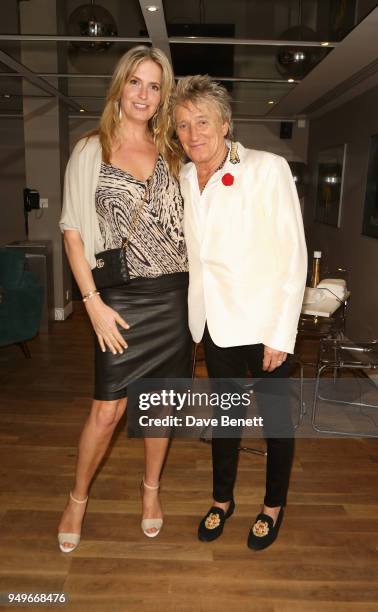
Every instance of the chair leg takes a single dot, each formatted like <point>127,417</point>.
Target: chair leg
<point>25,349</point>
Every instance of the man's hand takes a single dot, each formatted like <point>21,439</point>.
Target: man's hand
<point>272,359</point>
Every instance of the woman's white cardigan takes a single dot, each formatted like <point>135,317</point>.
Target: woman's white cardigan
<point>80,183</point>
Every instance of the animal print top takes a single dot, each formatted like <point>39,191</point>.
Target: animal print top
<point>156,244</point>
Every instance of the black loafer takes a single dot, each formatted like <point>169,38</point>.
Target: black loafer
<point>263,533</point>
<point>211,526</point>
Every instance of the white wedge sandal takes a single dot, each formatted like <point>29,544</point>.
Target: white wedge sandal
<point>73,539</point>
<point>153,523</point>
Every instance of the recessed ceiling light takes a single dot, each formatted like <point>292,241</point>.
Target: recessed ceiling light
<point>82,110</point>
<point>152,8</point>
<point>290,80</point>
<point>271,102</point>
<point>324,44</point>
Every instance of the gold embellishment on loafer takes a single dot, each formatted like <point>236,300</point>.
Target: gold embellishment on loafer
<point>260,529</point>
<point>234,157</point>
<point>212,521</point>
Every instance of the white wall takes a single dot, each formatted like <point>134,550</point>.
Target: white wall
<point>12,158</point>
<point>352,123</point>
<point>12,180</point>
<point>266,137</point>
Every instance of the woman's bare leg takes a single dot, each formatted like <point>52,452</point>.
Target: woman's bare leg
<point>93,444</point>
<point>155,450</point>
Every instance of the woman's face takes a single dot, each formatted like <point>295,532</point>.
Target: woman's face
<point>142,93</point>
<point>201,131</point>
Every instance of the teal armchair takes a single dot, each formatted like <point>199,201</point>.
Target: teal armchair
<point>20,300</point>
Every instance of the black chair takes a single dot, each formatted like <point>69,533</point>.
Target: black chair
<point>20,300</point>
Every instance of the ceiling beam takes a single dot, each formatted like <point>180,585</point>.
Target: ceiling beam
<point>30,76</point>
<point>235,118</point>
<point>210,40</point>
<point>77,75</point>
<point>54,38</point>
<point>195,40</point>
<point>156,26</point>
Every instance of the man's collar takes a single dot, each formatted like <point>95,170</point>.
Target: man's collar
<point>235,157</point>
<point>187,169</point>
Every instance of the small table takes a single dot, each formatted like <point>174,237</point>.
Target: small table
<point>317,320</point>
<point>325,307</point>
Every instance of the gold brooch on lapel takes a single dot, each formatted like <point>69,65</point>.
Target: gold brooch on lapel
<point>234,157</point>
<point>260,529</point>
<point>212,521</point>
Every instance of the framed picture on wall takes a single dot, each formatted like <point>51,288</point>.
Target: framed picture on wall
<point>370,222</point>
<point>331,167</point>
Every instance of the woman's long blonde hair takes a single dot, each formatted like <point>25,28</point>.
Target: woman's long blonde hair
<point>160,124</point>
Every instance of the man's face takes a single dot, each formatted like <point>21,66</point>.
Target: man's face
<point>201,131</point>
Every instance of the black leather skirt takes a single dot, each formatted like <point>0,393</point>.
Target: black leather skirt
<point>159,342</point>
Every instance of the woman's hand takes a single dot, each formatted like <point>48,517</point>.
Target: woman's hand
<point>272,359</point>
<point>104,320</point>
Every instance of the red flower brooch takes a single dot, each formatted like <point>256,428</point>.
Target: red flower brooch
<point>227,179</point>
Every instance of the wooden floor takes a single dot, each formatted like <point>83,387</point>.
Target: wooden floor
<point>324,560</point>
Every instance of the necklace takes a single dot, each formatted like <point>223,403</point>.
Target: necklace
<point>216,170</point>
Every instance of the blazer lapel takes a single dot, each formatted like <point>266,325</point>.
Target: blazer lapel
<point>191,225</point>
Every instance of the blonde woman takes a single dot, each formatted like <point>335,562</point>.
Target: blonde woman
<point>125,169</point>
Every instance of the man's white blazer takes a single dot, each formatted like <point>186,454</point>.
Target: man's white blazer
<point>248,263</point>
